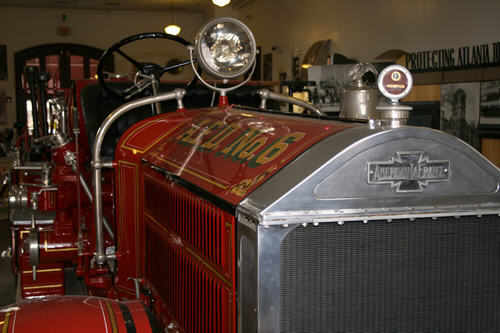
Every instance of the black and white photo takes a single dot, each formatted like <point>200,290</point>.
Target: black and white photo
<point>490,103</point>
<point>330,81</point>
<point>460,111</point>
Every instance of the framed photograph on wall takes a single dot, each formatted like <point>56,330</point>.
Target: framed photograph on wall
<point>490,103</point>
<point>460,111</point>
<point>330,81</point>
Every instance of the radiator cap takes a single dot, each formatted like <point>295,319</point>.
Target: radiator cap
<point>394,82</point>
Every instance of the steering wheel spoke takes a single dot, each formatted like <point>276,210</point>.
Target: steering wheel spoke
<point>179,64</point>
<point>148,74</point>
<point>130,59</point>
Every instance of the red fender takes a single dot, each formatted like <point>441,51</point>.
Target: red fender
<point>76,314</point>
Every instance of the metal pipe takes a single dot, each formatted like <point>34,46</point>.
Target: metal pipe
<point>266,94</point>
<point>178,94</point>
<point>88,192</point>
<point>63,126</point>
<point>155,85</point>
<point>28,167</point>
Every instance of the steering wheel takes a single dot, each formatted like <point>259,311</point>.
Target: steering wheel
<point>144,70</point>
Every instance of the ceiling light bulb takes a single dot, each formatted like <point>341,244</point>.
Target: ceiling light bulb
<point>221,3</point>
<point>173,29</point>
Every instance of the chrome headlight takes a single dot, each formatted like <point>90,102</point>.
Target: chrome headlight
<point>225,48</point>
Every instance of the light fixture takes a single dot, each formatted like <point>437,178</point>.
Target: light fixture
<point>225,48</point>
<point>172,29</point>
<point>221,3</point>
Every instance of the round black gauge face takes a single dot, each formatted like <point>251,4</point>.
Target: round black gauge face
<point>395,82</point>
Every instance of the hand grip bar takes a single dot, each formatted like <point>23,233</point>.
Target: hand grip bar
<point>266,94</point>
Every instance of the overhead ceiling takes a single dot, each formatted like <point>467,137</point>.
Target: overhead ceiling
<point>148,5</point>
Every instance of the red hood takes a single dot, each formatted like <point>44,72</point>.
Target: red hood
<point>229,152</point>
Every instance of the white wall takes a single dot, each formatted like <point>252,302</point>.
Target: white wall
<point>21,28</point>
<point>363,29</point>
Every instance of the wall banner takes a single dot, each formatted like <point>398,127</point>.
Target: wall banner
<point>466,57</point>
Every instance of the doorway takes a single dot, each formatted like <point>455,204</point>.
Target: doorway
<point>63,62</point>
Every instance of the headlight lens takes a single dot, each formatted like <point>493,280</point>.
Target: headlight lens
<point>225,48</point>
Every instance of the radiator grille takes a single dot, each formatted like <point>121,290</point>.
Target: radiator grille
<point>188,255</point>
<point>424,276</point>
<point>197,299</point>
<point>195,220</point>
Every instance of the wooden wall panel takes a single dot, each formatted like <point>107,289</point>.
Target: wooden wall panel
<point>424,93</point>
<point>490,148</point>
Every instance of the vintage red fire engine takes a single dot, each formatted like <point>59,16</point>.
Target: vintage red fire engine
<point>178,216</point>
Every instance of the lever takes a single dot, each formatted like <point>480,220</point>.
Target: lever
<point>31,73</point>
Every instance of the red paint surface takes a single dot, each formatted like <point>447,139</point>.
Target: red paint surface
<point>193,145</point>
<point>186,144</point>
<point>72,314</point>
<point>189,257</point>
<point>135,142</point>
<point>231,160</point>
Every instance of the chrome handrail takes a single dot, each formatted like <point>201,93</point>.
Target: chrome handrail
<point>97,165</point>
<point>266,94</point>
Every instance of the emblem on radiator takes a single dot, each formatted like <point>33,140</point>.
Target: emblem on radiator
<point>408,172</point>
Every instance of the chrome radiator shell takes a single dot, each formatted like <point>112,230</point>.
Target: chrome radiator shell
<point>360,176</point>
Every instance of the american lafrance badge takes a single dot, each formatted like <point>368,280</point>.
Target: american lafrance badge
<point>408,172</point>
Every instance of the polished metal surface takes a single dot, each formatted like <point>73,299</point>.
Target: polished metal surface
<point>266,94</point>
<point>18,196</point>
<point>358,103</point>
<point>259,269</point>
<point>96,164</point>
<point>361,174</point>
<point>246,252</point>
<point>392,115</point>
<point>33,249</point>
<point>359,99</point>
<point>58,115</point>
<point>21,216</point>
<point>44,168</point>
<point>225,48</point>
<point>259,276</point>
<point>394,82</point>
<point>330,182</point>
<point>35,166</point>
<point>59,140</point>
<point>222,90</point>
<point>32,244</point>
<point>268,279</point>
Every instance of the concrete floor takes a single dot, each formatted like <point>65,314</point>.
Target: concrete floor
<point>7,279</point>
